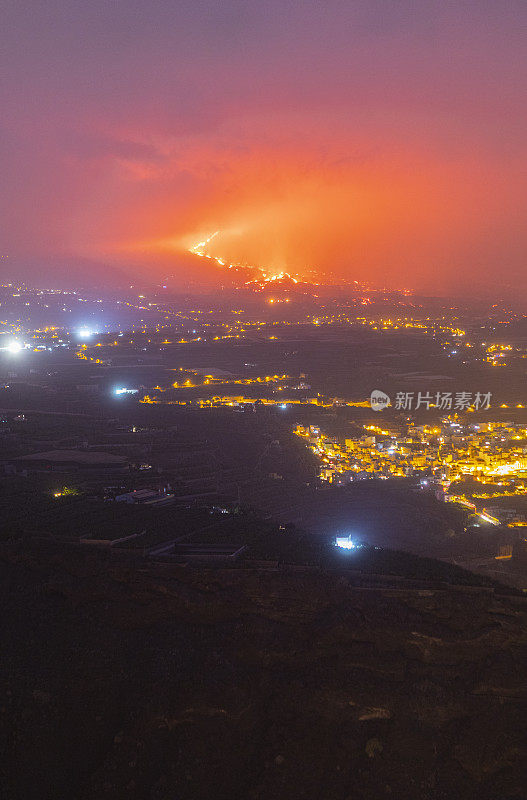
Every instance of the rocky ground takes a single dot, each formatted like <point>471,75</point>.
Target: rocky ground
<point>122,680</point>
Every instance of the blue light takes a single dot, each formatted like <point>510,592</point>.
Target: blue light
<point>345,542</point>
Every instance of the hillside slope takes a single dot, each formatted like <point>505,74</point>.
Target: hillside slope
<point>161,682</point>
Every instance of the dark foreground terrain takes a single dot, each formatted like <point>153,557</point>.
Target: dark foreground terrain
<point>169,683</point>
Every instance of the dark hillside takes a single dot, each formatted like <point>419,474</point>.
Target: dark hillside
<point>164,682</point>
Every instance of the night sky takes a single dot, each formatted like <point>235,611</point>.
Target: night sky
<point>377,140</point>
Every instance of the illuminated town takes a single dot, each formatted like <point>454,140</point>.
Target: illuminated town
<point>492,454</point>
<point>467,449</point>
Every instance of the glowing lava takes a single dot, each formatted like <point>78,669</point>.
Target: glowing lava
<point>266,276</point>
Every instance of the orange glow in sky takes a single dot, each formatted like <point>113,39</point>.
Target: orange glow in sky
<point>360,141</point>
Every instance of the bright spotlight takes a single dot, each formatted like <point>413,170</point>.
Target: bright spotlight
<point>345,542</point>
<point>14,347</point>
<point>84,333</point>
